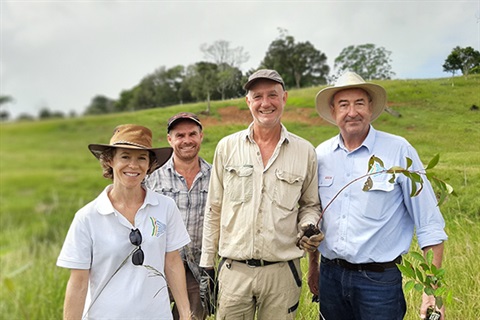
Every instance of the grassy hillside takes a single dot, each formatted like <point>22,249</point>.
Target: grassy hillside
<point>47,173</point>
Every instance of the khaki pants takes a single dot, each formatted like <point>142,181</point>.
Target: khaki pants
<point>270,291</point>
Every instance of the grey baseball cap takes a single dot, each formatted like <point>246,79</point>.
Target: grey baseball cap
<point>264,74</point>
<point>183,116</point>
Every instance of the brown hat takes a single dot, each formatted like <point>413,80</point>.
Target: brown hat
<point>264,74</point>
<point>183,116</point>
<point>350,80</point>
<point>131,136</point>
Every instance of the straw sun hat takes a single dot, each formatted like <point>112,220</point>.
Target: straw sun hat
<point>131,136</point>
<point>350,80</point>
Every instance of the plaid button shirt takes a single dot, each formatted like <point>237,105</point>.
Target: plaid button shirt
<point>167,181</point>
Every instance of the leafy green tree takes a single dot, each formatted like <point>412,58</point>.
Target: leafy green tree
<point>202,80</point>
<point>161,88</point>
<point>228,61</point>
<point>367,60</point>
<point>300,64</point>
<point>466,60</point>
<point>100,105</point>
<point>123,102</point>
<point>154,91</point>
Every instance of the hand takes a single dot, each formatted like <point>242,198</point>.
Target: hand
<point>429,301</point>
<point>309,238</point>
<point>208,290</point>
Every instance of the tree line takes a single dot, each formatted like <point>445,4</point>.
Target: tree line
<point>219,77</point>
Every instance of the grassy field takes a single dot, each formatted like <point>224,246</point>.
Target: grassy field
<point>47,174</point>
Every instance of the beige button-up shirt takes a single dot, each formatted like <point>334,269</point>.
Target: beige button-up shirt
<point>255,212</point>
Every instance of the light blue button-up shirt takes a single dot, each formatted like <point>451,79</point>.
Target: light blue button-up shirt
<point>376,225</point>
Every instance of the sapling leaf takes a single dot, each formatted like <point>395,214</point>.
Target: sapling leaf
<point>428,290</point>
<point>409,285</point>
<point>392,179</point>
<point>371,162</point>
<point>414,189</point>
<point>416,177</point>
<point>368,184</point>
<point>442,198</point>
<point>440,273</point>
<point>449,188</point>
<point>425,267</point>
<point>407,271</point>
<point>433,162</point>
<point>440,184</point>
<point>430,257</point>
<point>417,256</point>
<point>419,190</point>
<point>409,162</point>
<point>440,291</point>
<point>419,274</point>
<point>439,301</point>
<point>379,161</point>
<point>418,287</point>
<point>449,296</point>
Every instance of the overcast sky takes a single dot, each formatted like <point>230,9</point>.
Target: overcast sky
<point>60,54</point>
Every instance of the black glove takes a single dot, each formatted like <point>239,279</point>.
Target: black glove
<point>208,290</point>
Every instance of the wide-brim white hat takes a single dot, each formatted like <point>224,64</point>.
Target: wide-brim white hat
<point>350,80</point>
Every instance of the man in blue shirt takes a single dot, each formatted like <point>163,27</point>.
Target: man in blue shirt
<point>367,232</point>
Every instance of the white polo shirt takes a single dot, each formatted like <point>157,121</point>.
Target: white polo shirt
<point>98,239</point>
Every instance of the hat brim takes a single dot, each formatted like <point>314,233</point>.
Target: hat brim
<point>250,83</point>
<point>376,92</point>
<point>162,154</point>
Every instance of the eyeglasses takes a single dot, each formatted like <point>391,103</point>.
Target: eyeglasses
<point>138,255</point>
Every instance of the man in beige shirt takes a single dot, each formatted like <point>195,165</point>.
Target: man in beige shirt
<point>263,193</point>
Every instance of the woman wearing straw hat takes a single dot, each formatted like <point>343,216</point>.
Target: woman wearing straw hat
<point>367,232</point>
<point>123,246</point>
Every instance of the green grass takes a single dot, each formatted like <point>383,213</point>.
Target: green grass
<point>47,174</point>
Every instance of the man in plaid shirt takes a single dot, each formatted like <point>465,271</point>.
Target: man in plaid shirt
<point>185,178</point>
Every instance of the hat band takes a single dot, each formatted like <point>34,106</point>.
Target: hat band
<point>129,143</point>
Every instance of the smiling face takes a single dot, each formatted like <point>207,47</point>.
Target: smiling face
<point>352,112</point>
<point>266,100</point>
<point>185,139</point>
<point>130,166</point>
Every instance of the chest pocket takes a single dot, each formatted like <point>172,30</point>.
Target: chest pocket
<point>287,189</point>
<point>380,182</point>
<point>238,182</point>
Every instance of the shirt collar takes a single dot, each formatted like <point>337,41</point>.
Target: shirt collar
<point>248,134</point>
<point>105,207</point>
<point>204,166</point>
<point>368,143</point>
